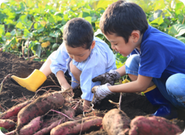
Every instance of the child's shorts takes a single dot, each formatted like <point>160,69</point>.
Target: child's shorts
<point>173,89</point>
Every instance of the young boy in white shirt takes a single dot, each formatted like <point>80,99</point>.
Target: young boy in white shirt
<point>81,54</point>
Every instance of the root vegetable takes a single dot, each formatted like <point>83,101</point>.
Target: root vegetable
<point>46,130</point>
<point>13,111</point>
<point>39,107</point>
<point>51,124</point>
<point>68,111</point>
<point>115,122</point>
<point>77,126</point>
<point>14,118</point>
<point>33,126</point>
<point>142,125</point>
<point>7,124</point>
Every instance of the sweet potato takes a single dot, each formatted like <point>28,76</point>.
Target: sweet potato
<point>77,126</point>
<point>70,112</point>
<point>7,124</point>
<point>39,107</point>
<point>46,130</point>
<point>142,125</point>
<point>33,126</point>
<point>13,111</point>
<point>115,122</point>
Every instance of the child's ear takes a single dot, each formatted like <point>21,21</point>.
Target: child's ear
<point>135,35</point>
<point>93,44</point>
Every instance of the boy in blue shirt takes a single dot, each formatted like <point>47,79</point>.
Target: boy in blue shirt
<point>158,69</point>
<point>81,54</point>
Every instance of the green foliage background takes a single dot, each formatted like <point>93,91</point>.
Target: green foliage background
<point>26,24</point>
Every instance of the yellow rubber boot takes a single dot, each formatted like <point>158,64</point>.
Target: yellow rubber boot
<point>33,81</point>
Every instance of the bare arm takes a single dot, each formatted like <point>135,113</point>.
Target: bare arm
<point>141,84</point>
<point>121,70</point>
<point>62,80</point>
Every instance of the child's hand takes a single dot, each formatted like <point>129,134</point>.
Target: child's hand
<point>109,77</point>
<point>100,92</point>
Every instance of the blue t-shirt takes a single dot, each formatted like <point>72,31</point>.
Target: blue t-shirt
<point>161,55</point>
<point>100,60</point>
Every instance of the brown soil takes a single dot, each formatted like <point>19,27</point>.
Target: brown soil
<point>133,104</point>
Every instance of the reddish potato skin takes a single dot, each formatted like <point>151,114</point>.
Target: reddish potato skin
<point>142,125</point>
<point>77,126</point>
<point>39,107</point>
<point>46,130</point>
<point>7,124</point>
<point>115,122</point>
<point>33,126</point>
<point>13,111</point>
<point>70,112</point>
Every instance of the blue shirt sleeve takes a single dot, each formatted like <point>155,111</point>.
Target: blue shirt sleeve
<point>59,60</point>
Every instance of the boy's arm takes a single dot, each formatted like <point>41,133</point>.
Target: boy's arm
<point>59,65</point>
<point>141,84</point>
<point>101,91</point>
<point>62,80</point>
<point>121,70</point>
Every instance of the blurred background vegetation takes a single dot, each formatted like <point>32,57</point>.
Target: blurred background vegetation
<point>32,29</point>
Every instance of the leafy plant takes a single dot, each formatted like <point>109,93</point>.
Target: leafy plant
<point>34,28</point>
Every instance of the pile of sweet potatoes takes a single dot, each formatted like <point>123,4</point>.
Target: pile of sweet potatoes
<point>46,114</point>
<point>52,114</point>
<point>116,122</point>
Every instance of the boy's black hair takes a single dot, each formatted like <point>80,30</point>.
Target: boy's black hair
<point>121,18</point>
<point>78,33</point>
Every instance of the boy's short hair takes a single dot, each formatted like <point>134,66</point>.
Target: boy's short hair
<point>121,18</point>
<point>78,33</point>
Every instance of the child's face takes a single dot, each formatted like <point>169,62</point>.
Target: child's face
<point>119,45</point>
<point>79,54</point>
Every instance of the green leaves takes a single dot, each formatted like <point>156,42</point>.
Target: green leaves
<point>177,30</point>
<point>120,60</point>
<point>24,22</point>
<point>39,21</point>
<point>2,30</point>
<point>158,21</point>
<point>168,16</point>
<point>3,130</point>
<point>55,34</point>
<point>179,7</point>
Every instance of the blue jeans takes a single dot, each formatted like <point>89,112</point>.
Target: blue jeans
<point>173,89</point>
